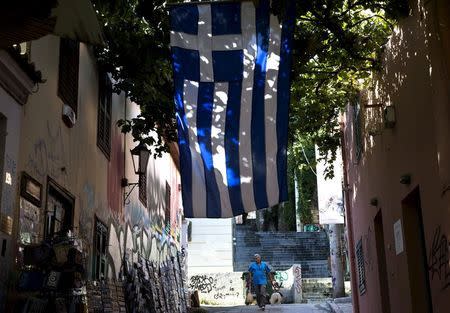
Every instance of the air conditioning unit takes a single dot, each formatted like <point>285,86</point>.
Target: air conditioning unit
<point>69,117</point>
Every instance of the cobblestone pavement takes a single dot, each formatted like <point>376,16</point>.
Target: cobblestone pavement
<point>283,308</point>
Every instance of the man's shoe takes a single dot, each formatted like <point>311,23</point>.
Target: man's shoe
<point>263,308</point>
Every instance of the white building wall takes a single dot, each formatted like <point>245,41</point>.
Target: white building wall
<point>211,247</point>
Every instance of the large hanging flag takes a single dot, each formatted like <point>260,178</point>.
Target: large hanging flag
<point>231,66</point>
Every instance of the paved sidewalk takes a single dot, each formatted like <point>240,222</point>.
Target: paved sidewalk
<point>283,308</point>
<point>341,305</point>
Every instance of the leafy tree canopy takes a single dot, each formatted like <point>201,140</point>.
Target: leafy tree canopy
<point>337,44</point>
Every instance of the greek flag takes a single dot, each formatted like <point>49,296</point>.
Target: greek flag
<point>231,65</point>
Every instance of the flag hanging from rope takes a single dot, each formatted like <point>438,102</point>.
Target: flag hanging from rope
<point>231,63</point>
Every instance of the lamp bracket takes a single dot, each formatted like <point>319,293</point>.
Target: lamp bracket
<point>126,194</point>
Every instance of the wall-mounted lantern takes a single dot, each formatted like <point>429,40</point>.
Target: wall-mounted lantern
<point>389,116</point>
<point>139,155</point>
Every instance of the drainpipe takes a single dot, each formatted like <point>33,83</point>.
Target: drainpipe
<point>348,211</point>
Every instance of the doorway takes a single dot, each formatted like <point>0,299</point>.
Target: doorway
<point>382,268</point>
<point>419,282</point>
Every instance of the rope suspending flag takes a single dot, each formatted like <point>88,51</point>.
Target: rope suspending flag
<point>231,65</point>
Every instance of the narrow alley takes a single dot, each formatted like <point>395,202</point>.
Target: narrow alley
<point>225,156</point>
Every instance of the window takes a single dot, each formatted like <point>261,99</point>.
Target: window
<point>361,268</point>
<point>167,209</point>
<point>59,212</point>
<point>104,114</point>
<point>69,54</point>
<point>100,246</point>
<point>143,188</point>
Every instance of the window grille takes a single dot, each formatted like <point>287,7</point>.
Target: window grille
<point>143,189</point>
<point>361,268</point>
<point>104,114</point>
<point>100,250</point>
<point>167,209</point>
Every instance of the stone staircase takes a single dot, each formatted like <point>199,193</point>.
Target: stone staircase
<point>282,249</point>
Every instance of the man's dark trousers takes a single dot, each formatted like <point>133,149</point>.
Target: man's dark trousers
<point>261,295</point>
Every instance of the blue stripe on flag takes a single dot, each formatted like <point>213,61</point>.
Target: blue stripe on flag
<point>204,120</point>
<point>258,122</point>
<point>232,146</point>
<point>228,65</point>
<point>284,85</point>
<point>185,154</point>
<point>226,18</point>
<point>184,19</point>
<point>186,63</point>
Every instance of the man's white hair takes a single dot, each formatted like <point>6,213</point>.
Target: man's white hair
<point>257,255</point>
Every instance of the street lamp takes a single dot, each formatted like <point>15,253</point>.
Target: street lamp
<point>139,155</point>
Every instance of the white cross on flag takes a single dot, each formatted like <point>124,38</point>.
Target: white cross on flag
<point>231,66</point>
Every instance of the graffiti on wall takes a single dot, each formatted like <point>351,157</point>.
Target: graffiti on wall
<point>225,288</point>
<point>439,260</point>
<point>47,157</point>
<point>134,241</point>
<point>297,278</point>
<point>132,234</point>
<point>87,205</point>
<point>281,277</point>
<point>202,283</point>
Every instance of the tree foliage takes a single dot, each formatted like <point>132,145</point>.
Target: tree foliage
<point>137,55</point>
<point>337,44</point>
<point>303,160</point>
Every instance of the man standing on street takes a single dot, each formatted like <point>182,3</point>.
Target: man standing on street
<point>258,272</point>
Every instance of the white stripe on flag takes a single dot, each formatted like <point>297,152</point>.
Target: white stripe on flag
<point>218,145</point>
<point>248,20</point>
<point>183,40</point>
<point>227,42</point>
<point>190,98</point>
<point>205,43</point>
<point>270,107</point>
<point>220,43</point>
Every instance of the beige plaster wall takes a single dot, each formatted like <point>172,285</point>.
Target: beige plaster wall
<point>70,156</point>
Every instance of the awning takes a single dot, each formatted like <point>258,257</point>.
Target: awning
<point>26,20</point>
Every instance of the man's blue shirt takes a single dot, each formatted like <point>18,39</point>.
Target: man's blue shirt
<point>259,272</point>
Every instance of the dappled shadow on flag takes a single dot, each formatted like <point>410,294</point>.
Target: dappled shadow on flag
<point>231,64</point>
